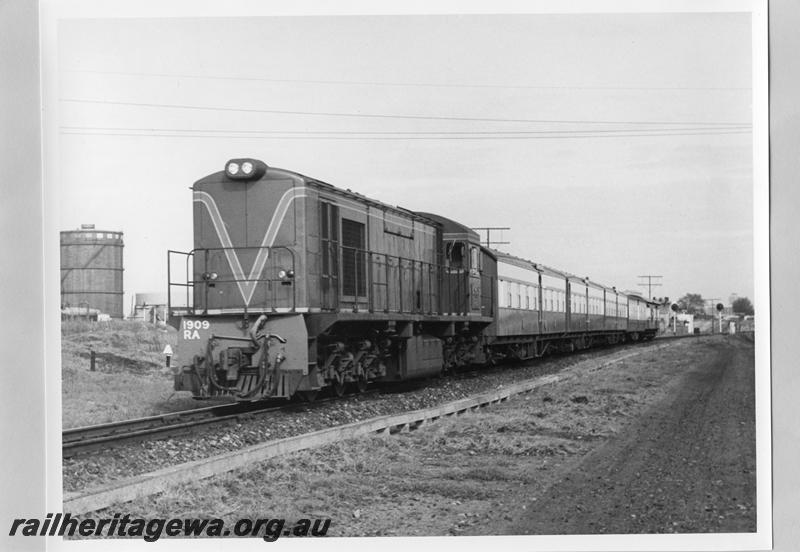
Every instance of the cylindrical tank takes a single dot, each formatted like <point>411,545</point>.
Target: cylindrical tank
<point>91,269</point>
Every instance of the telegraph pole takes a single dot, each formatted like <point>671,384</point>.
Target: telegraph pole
<point>650,284</point>
<point>488,230</point>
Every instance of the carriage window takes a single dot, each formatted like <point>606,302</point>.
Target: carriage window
<point>473,263</point>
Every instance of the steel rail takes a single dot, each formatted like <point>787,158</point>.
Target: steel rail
<point>86,439</point>
<point>81,440</point>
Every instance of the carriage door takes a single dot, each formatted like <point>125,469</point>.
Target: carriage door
<point>329,232</point>
<point>456,278</point>
<point>354,269</point>
<point>568,305</point>
<point>474,280</point>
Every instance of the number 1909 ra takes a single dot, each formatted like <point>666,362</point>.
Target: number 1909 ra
<point>191,327</point>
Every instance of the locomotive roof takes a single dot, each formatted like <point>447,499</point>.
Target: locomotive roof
<point>221,176</point>
<point>449,226</point>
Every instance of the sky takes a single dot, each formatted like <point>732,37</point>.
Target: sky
<point>614,145</point>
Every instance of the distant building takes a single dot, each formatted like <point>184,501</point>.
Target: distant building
<point>149,307</point>
<point>687,322</point>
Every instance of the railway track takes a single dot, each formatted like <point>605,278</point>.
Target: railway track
<point>83,440</point>
<point>87,439</point>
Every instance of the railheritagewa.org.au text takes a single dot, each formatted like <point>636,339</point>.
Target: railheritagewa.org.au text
<point>126,526</point>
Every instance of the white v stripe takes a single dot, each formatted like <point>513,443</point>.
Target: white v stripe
<point>247,286</point>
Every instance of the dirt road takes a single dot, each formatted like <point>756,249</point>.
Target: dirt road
<point>687,465</point>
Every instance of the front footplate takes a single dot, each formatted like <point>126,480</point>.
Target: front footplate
<point>248,359</point>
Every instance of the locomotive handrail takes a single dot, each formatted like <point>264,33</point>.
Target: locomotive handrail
<point>170,283</point>
<point>454,293</point>
<point>378,282</point>
<point>190,282</point>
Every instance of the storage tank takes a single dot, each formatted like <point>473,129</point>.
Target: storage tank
<point>91,269</point>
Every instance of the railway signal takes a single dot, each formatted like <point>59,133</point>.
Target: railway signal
<point>710,311</point>
<point>674,308</point>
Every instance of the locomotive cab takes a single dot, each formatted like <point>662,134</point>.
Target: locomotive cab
<point>463,267</point>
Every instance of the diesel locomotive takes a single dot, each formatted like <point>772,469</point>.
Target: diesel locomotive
<point>294,285</point>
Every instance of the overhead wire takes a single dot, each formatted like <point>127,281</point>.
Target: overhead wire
<point>389,116</point>
<point>579,134</point>
<point>390,132</point>
<point>407,84</point>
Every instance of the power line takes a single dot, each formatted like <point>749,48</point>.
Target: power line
<point>386,116</point>
<point>650,285</point>
<point>489,242</point>
<point>409,84</point>
<point>587,134</point>
<point>393,132</point>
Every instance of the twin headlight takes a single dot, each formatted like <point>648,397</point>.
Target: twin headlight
<point>245,169</point>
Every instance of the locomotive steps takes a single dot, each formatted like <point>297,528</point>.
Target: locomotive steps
<point>153,482</point>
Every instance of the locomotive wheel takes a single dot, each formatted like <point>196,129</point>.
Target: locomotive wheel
<point>339,388</point>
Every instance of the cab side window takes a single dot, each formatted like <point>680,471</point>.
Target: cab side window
<point>455,255</point>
